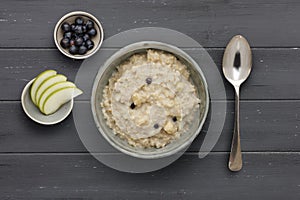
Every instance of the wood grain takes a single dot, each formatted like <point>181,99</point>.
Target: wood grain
<point>212,23</point>
<point>50,162</point>
<point>271,77</point>
<point>80,176</point>
<point>264,127</point>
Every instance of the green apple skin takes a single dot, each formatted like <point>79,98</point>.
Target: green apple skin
<point>59,97</point>
<point>38,80</point>
<point>47,83</point>
<point>51,89</point>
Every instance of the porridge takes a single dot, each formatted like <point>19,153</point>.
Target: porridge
<point>149,101</point>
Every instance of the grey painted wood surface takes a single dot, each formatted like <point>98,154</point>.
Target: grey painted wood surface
<point>265,23</point>
<point>264,127</point>
<point>264,176</point>
<point>275,73</point>
<point>39,162</point>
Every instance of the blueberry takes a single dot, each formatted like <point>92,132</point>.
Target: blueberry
<point>68,35</point>
<point>90,47</point>
<point>84,29</point>
<point>74,35</point>
<point>132,106</point>
<point>92,32</point>
<point>73,50</point>
<point>82,50</point>
<point>86,37</point>
<point>65,43</point>
<point>66,27</point>
<point>148,80</point>
<point>72,42</point>
<point>89,44</point>
<point>89,24</point>
<point>174,119</point>
<point>73,27</point>
<point>79,21</point>
<point>78,41</point>
<point>156,126</point>
<point>78,29</point>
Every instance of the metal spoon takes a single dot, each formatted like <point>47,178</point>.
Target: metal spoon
<point>237,63</point>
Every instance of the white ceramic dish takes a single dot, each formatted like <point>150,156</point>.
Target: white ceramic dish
<point>70,18</point>
<point>34,113</point>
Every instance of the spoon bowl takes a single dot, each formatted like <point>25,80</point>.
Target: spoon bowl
<point>238,49</point>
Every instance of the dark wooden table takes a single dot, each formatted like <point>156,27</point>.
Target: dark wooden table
<point>50,162</point>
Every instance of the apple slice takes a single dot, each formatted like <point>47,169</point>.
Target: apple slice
<point>51,89</point>
<point>47,83</point>
<point>38,80</point>
<point>59,97</point>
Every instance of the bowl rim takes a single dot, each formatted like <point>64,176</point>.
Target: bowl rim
<point>28,112</point>
<point>57,26</point>
<point>147,45</point>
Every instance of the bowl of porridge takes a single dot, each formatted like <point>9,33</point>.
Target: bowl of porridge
<point>150,100</point>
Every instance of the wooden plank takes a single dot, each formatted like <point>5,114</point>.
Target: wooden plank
<point>19,133</point>
<point>212,23</point>
<point>18,67</point>
<point>264,176</point>
<point>271,77</point>
<point>265,126</point>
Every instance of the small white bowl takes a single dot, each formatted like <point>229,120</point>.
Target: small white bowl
<point>34,113</point>
<point>70,18</point>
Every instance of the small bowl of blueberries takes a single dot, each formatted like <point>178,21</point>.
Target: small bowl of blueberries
<point>78,35</point>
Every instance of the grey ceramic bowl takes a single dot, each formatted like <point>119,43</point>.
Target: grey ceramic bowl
<point>70,18</point>
<point>101,80</point>
<point>34,113</point>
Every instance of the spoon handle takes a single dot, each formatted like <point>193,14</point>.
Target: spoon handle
<point>235,158</point>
